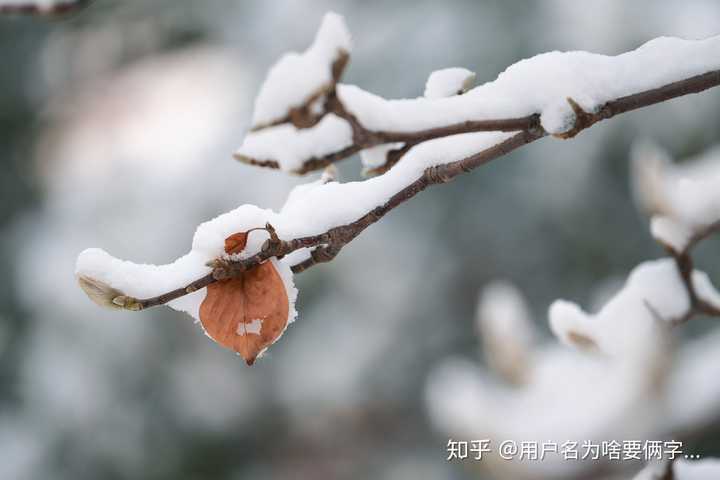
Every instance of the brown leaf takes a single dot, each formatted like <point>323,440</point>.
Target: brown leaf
<point>248,313</point>
<point>236,242</point>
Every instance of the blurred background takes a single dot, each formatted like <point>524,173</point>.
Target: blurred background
<point>117,124</point>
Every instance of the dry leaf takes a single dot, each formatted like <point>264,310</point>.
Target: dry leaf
<point>248,313</point>
<point>236,242</point>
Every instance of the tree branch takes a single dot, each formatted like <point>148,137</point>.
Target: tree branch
<point>364,138</point>
<point>177,293</point>
<point>696,84</point>
<point>684,262</point>
<point>327,245</point>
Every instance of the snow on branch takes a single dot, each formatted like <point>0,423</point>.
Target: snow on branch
<point>558,93</point>
<point>449,82</point>
<point>304,120</point>
<point>684,201</point>
<point>297,84</point>
<point>507,331</point>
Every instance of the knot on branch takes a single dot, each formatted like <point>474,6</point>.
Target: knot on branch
<point>582,121</point>
<point>303,116</point>
<point>361,135</point>
<point>222,269</point>
<point>339,236</point>
<point>535,127</point>
<point>324,254</point>
<point>273,246</point>
<point>128,303</point>
<point>437,174</point>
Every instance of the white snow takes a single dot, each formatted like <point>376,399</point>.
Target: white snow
<point>448,82</point>
<point>376,156</point>
<point>670,232</point>
<point>654,293</point>
<point>648,166</point>
<point>333,204</point>
<point>143,280</point>
<point>297,77</point>
<point>542,84</point>
<point>696,362</point>
<point>704,288</point>
<point>291,147</point>
<point>573,395</point>
<point>506,330</point>
<point>501,310</point>
<point>684,197</point>
<point>310,210</point>
<point>568,396</point>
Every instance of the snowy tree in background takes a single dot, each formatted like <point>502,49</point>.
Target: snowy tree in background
<point>617,375</point>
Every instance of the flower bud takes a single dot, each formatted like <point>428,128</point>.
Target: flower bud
<point>107,296</point>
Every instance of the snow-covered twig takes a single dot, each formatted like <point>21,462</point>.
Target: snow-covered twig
<point>684,203</point>
<point>684,261</point>
<point>303,125</point>
<point>364,138</point>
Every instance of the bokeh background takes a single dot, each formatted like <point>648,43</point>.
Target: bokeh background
<point>117,125</point>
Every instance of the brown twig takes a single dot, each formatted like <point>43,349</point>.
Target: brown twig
<point>696,84</point>
<point>684,262</point>
<point>302,116</point>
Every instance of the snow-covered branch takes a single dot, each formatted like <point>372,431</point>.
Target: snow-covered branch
<point>684,203</point>
<point>305,120</point>
<point>561,93</point>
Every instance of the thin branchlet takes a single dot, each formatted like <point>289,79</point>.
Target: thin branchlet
<point>685,265</point>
